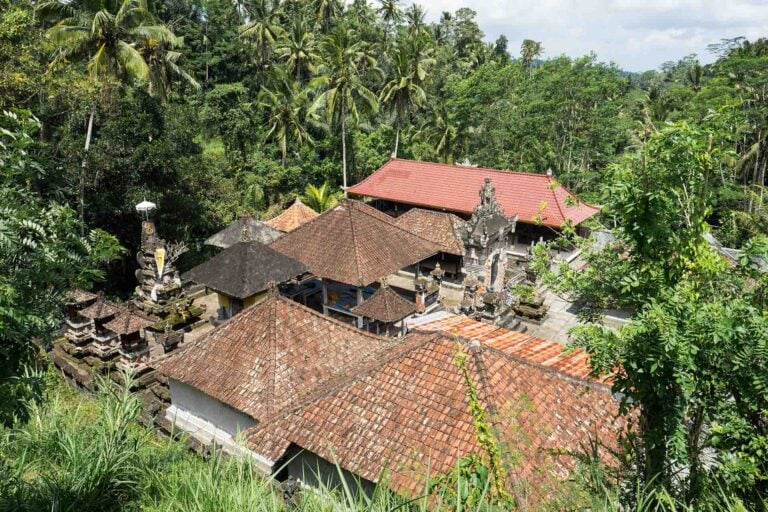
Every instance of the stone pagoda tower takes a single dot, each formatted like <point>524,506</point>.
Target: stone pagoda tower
<point>159,294</point>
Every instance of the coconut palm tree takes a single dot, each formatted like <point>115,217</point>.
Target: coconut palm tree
<point>162,58</point>
<point>441,132</point>
<point>262,28</point>
<point>285,104</point>
<point>299,49</point>
<point>415,18</point>
<point>530,50</point>
<point>320,198</point>
<point>390,12</point>
<point>403,92</point>
<point>344,96</point>
<point>107,34</point>
<point>327,11</point>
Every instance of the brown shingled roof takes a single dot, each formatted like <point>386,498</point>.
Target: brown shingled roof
<point>128,322</point>
<point>100,309</point>
<point>355,244</point>
<point>386,305</point>
<point>294,216</point>
<point>245,269</point>
<point>232,234</point>
<point>272,356</point>
<point>531,348</point>
<point>439,227</point>
<point>78,296</point>
<point>410,415</point>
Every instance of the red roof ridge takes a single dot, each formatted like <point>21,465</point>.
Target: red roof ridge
<point>391,220</point>
<point>593,383</point>
<point>471,167</point>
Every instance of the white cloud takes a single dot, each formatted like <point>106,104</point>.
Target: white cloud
<point>636,34</point>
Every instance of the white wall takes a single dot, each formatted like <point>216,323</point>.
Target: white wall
<point>205,407</point>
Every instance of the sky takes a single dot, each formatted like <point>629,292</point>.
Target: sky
<point>635,34</point>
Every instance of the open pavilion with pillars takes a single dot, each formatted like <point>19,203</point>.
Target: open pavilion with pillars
<point>349,248</point>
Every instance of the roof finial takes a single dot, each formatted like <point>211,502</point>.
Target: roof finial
<point>245,234</point>
<point>549,171</point>
<point>272,289</point>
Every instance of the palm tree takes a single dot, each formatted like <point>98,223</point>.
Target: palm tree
<point>320,198</point>
<point>403,92</point>
<point>415,16</point>
<point>441,132</point>
<point>285,104</point>
<point>163,61</point>
<point>530,50</point>
<point>344,95</point>
<point>107,34</point>
<point>390,12</point>
<point>299,49</point>
<point>693,76</point>
<point>327,11</point>
<point>262,27</point>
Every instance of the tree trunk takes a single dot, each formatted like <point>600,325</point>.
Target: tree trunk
<point>397,139</point>
<point>84,165</point>
<point>344,149</point>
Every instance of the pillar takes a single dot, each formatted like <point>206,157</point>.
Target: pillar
<point>325,296</point>
<point>359,301</point>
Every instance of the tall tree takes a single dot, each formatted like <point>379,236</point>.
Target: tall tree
<point>404,92</point>
<point>530,50</point>
<point>285,104</point>
<point>299,49</point>
<point>107,35</point>
<point>262,27</point>
<point>344,96</point>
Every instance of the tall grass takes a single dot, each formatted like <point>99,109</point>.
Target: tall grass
<point>77,454</point>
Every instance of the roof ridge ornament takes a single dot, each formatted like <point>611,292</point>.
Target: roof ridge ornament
<point>245,234</point>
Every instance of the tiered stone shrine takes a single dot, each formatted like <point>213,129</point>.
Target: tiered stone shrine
<point>105,344</point>
<point>78,329</point>
<point>129,326</point>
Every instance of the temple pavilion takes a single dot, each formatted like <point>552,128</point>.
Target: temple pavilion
<point>385,312</point>
<point>540,202</point>
<point>348,249</point>
<point>232,234</point>
<point>294,216</point>
<point>241,274</point>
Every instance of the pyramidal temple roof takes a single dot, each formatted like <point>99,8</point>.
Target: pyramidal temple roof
<point>355,244</point>
<point>252,229</point>
<point>294,216</point>
<point>272,356</point>
<point>245,269</point>
<point>129,321</point>
<point>385,305</point>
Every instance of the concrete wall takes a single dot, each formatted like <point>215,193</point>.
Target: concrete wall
<point>197,403</point>
<point>314,471</point>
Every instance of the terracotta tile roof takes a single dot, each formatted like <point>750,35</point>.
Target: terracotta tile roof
<point>455,188</point>
<point>410,415</point>
<point>294,216</point>
<point>538,350</point>
<point>272,356</point>
<point>354,244</point>
<point>385,305</point>
<point>100,309</point>
<point>78,296</point>
<point>439,227</point>
<point>245,269</point>
<point>129,322</point>
<point>232,234</point>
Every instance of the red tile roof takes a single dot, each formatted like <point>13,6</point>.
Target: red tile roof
<point>354,244</point>
<point>293,217</point>
<point>385,305</point>
<point>439,227</point>
<point>537,350</point>
<point>410,415</point>
<point>534,197</point>
<point>272,356</point>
